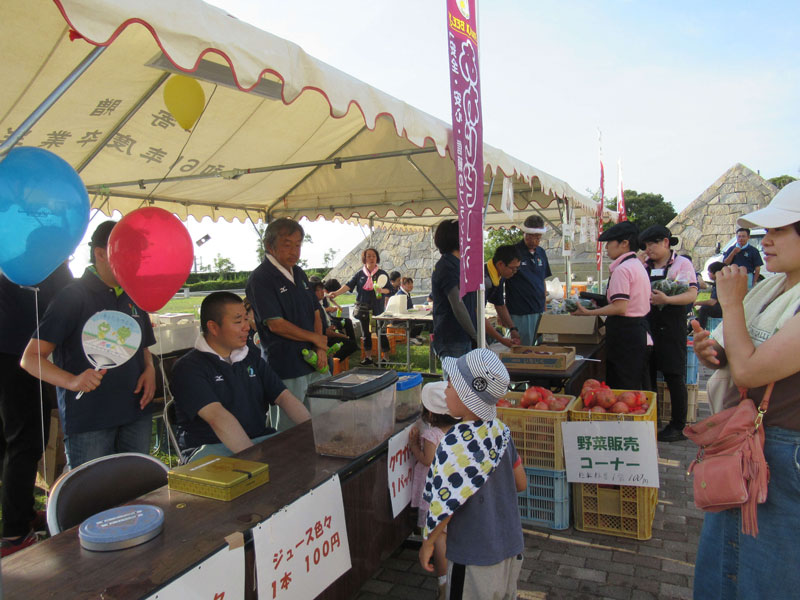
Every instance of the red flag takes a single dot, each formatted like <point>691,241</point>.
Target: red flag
<point>465,98</point>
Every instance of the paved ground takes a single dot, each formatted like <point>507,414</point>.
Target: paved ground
<point>573,564</point>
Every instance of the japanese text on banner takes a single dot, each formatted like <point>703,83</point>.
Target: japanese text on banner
<point>611,452</point>
<point>465,99</point>
<point>400,465</point>
<point>303,548</point>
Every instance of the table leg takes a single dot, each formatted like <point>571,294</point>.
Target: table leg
<point>378,331</point>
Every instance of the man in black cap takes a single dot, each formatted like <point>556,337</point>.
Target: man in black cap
<point>628,294</point>
<point>113,415</point>
<point>668,322</point>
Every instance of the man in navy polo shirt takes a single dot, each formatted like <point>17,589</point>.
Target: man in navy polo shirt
<point>744,255</point>
<point>286,310</point>
<point>525,291</point>
<point>113,414</point>
<point>223,389</point>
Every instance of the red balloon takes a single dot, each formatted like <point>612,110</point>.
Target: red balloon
<point>150,253</point>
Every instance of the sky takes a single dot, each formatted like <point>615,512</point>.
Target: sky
<point>680,90</point>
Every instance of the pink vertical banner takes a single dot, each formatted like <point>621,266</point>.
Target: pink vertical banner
<point>465,97</point>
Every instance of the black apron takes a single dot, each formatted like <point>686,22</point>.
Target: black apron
<point>626,350</point>
<point>668,328</point>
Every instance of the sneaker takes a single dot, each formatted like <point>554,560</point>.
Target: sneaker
<point>671,434</point>
<point>39,522</point>
<point>367,362</point>
<point>8,547</point>
<point>416,342</point>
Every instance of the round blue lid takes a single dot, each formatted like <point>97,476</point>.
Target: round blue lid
<point>406,381</point>
<point>121,527</point>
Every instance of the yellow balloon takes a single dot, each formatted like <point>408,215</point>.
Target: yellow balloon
<point>184,99</point>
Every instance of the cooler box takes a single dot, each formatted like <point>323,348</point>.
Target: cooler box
<point>353,411</point>
<point>409,396</point>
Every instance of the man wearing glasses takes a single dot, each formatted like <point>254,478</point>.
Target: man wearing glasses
<point>525,291</point>
<point>501,267</point>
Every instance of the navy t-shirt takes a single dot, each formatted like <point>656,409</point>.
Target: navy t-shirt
<point>446,328</point>
<point>113,403</point>
<point>525,291</point>
<point>496,294</point>
<point>368,297</point>
<point>245,389</point>
<point>486,529</point>
<point>18,308</point>
<point>748,257</point>
<point>273,296</point>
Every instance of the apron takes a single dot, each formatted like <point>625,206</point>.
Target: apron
<point>668,328</point>
<point>626,350</point>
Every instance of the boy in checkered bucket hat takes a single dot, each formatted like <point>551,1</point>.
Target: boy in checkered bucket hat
<point>473,482</point>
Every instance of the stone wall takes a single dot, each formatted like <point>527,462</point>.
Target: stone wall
<point>711,218</point>
<point>412,253</point>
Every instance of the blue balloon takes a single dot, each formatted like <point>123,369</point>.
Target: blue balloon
<point>44,212</point>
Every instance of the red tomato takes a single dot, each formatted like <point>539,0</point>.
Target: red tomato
<point>591,383</point>
<point>503,402</point>
<point>597,409</point>
<point>604,397</point>
<point>540,406</point>
<point>530,397</point>
<point>620,408</point>
<point>638,411</point>
<point>589,397</point>
<point>629,398</point>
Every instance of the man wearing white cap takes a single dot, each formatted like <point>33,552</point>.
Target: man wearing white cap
<point>525,291</point>
<point>473,482</point>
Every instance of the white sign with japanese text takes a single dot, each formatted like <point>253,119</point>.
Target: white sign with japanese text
<point>400,464</point>
<point>611,452</point>
<point>219,577</point>
<point>302,548</point>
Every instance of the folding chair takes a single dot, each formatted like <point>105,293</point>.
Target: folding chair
<point>101,484</point>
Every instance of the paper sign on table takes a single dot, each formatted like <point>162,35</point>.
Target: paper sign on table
<point>302,549</point>
<point>400,465</point>
<point>219,577</point>
<point>611,452</point>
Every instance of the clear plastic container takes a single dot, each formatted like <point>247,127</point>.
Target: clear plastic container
<point>353,411</point>
<point>409,396</point>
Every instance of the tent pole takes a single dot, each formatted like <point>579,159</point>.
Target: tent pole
<point>488,198</point>
<point>49,101</point>
<point>433,185</point>
<point>127,117</point>
<point>236,173</point>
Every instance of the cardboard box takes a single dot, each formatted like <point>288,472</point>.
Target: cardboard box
<point>548,358</point>
<point>218,477</point>
<point>52,464</point>
<point>569,329</point>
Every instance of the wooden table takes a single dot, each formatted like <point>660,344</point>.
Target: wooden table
<point>572,378</point>
<point>195,528</point>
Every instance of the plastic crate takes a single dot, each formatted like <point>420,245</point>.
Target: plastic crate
<point>712,323</point>
<point>692,364</point>
<point>545,500</point>
<point>584,415</point>
<point>536,433</point>
<point>621,510</point>
<point>665,405</point>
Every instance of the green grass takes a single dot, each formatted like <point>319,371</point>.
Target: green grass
<point>192,305</point>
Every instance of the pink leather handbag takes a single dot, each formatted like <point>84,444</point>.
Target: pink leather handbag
<point>730,470</point>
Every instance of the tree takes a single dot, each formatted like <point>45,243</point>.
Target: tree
<point>222,264</point>
<point>500,237</point>
<point>328,257</point>
<point>645,209</point>
<point>261,252</point>
<point>781,180</point>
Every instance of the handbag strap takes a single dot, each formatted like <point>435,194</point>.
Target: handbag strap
<point>762,407</point>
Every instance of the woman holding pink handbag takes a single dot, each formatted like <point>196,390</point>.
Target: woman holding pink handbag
<point>759,343</point>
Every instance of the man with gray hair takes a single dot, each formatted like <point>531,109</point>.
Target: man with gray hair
<point>287,318</point>
<point>525,291</point>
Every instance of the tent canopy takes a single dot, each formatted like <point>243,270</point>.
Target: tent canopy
<point>282,133</point>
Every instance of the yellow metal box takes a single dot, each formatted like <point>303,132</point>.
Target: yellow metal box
<point>218,477</point>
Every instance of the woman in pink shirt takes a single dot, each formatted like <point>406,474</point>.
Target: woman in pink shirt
<point>628,295</point>
<point>668,322</point>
